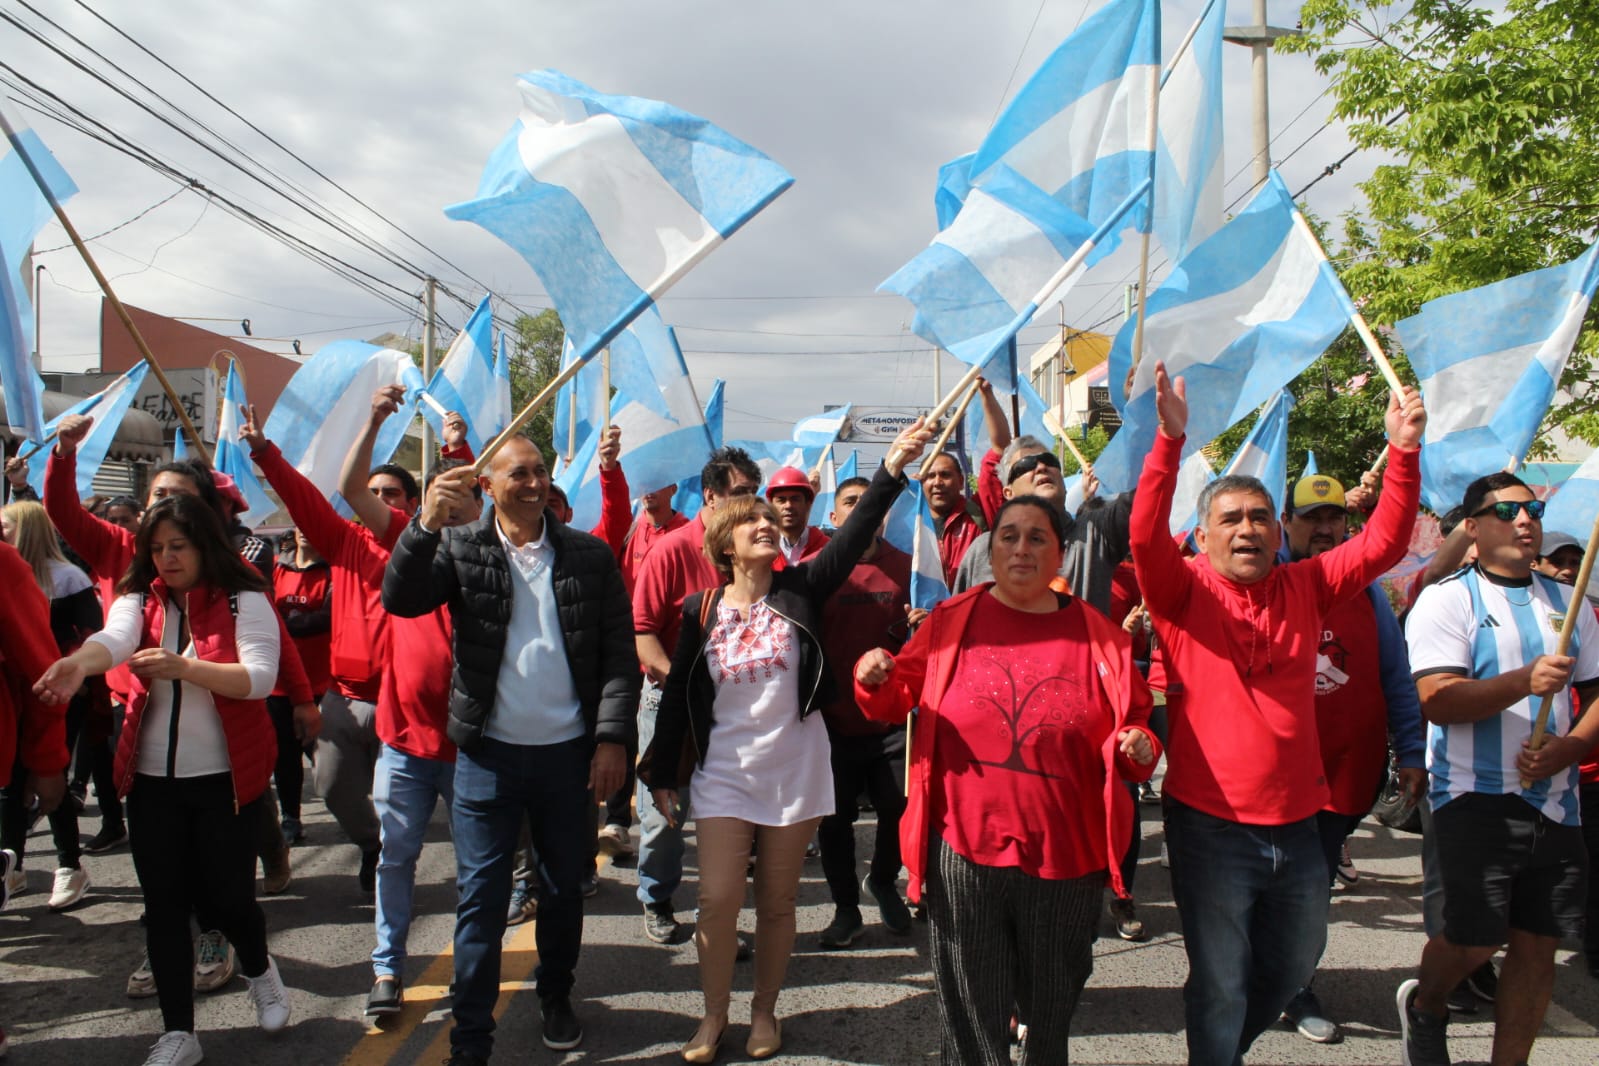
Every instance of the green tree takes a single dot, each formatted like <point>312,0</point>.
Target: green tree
<point>1485,119</point>
<point>535,362</point>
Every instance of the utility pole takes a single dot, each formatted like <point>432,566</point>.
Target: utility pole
<point>38,316</point>
<point>427,375</point>
<point>1258,38</point>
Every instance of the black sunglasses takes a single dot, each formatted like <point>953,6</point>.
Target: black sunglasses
<point>1028,463</point>
<point>1505,510</point>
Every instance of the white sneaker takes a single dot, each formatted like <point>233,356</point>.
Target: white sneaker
<point>213,962</point>
<point>16,880</point>
<point>176,1048</point>
<point>8,862</point>
<point>141,982</point>
<point>614,841</point>
<point>70,885</point>
<point>271,999</point>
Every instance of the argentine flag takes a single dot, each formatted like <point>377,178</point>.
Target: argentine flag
<point>1238,319</point>
<point>928,589</point>
<point>1264,453</point>
<point>466,381</point>
<point>24,209</point>
<point>326,403</point>
<point>822,429</point>
<point>1188,153</point>
<point>611,199</point>
<point>107,407</point>
<point>1575,504</point>
<point>1489,361</point>
<point>231,458</point>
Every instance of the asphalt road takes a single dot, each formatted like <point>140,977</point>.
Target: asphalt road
<point>62,976</point>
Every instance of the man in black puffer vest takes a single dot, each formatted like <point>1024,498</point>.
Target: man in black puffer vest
<point>543,695</point>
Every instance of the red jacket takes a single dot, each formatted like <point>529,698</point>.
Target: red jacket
<point>616,511</point>
<point>990,493</point>
<point>1240,660</point>
<point>954,538</point>
<point>108,550</point>
<point>360,640</point>
<point>36,731</point>
<point>252,742</point>
<point>922,675</point>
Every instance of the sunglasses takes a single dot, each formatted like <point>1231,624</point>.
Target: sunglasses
<point>1027,464</point>
<point>1505,510</point>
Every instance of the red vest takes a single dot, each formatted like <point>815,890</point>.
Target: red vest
<point>252,743</point>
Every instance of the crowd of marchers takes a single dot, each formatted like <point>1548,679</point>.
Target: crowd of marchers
<point>459,643</point>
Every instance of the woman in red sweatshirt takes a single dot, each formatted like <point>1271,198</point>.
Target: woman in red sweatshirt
<point>196,628</point>
<point>1031,716</point>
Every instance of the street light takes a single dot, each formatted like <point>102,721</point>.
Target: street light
<point>38,319</point>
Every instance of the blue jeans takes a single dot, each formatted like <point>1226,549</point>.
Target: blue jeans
<point>1253,901</point>
<point>405,789</point>
<point>496,786</point>
<point>660,847</point>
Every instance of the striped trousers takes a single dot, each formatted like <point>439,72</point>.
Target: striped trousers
<point>1002,941</point>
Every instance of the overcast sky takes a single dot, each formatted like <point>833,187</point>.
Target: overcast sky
<point>401,104</point>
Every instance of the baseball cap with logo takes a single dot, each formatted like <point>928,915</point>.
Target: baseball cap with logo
<point>1315,491</point>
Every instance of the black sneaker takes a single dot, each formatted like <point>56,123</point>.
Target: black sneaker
<point>1124,912</point>
<point>107,838</point>
<point>660,924</point>
<point>1461,1001</point>
<point>293,831</point>
<point>524,904</point>
<point>896,916</point>
<point>385,998</point>
<point>369,870</point>
<point>842,931</point>
<point>561,1029</point>
<point>465,1058</point>
<point>1422,1037</point>
<point>1304,1013</point>
<point>1483,982</point>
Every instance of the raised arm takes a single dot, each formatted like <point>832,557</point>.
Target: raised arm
<point>373,512</point>
<point>419,578</point>
<point>105,547</point>
<point>616,509</point>
<point>310,511</point>
<point>1163,575</point>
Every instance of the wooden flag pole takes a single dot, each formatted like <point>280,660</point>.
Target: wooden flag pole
<point>1356,319</point>
<point>1579,603</point>
<point>949,427</point>
<point>605,386</point>
<point>1382,461</point>
<point>105,286</point>
<point>526,414</point>
<point>1152,116</point>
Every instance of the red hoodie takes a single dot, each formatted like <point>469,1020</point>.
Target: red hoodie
<point>922,675</point>
<point>1240,660</point>
<point>36,731</point>
<point>360,639</point>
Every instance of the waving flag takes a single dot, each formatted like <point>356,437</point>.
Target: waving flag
<point>611,199</point>
<point>822,506</point>
<point>1192,477</point>
<point>466,382</point>
<point>1575,503</point>
<point>230,457</point>
<point>1188,153</point>
<point>822,429</point>
<point>664,438</point>
<point>24,209</point>
<point>107,407</point>
<point>1310,465</point>
<point>321,411</point>
<point>1264,453</point>
<point>1239,318</point>
<point>180,445</point>
<point>1062,165</point>
<point>1489,361</point>
<point>502,413</point>
<point>688,498</point>
<point>928,589</point>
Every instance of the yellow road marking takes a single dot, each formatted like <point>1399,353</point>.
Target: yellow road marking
<point>518,958</point>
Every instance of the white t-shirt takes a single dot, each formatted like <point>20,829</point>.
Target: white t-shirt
<point>763,764</point>
<point>201,745</point>
<point>1470,624</point>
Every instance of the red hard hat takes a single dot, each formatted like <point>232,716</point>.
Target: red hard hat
<point>789,477</point>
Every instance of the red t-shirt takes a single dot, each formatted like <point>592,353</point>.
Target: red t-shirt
<point>954,537</point>
<point>645,535</point>
<point>867,611</point>
<point>306,592</point>
<point>1351,710</point>
<point>674,569</point>
<point>414,701</point>
<point>1018,756</point>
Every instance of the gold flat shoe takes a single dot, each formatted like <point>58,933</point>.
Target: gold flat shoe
<point>765,1047</point>
<point>703,1053</point>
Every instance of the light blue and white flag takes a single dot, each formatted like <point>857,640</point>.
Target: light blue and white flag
<point>1489,361</point>
<point>1264,453</point>
<point>180,445</point>
<point>822,429</point>
<point>1311,469</point>
<point>688,499</point>
<point>466,382</point>
<point>611,199</point>
<point>850,468</point>
<point>24,209</point>
<point>107,407</point>
<point>230,457</point>
<point>1238,319</point>
<point>1575,503</point>
<point>1192,477</point>
<point>1188,153</point>
<point>320,412</point>
<point>822,506</point>
<point>664,438</point>
<point>502,392</point>
<point>928,589</point>
<point>773,455</point>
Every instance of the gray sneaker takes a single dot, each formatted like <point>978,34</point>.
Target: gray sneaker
<point>1304,1013</point>
<point>1422,1037</point>
<point>661,924</point>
